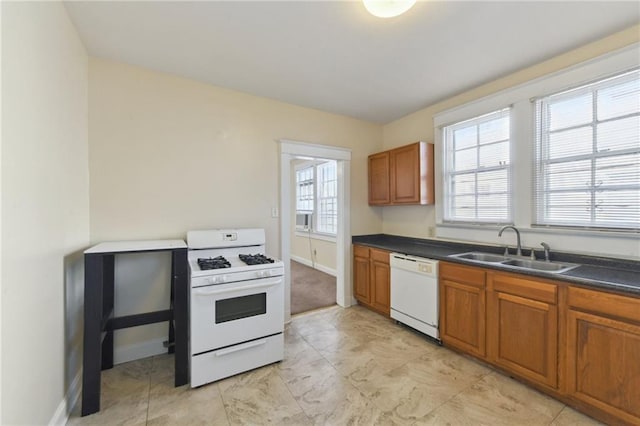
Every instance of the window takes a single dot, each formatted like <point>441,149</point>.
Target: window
<point>587,170</point>
<point>477,171</point>
<point>327,198</point>
<point>317,194</point>
<point>304,190</point>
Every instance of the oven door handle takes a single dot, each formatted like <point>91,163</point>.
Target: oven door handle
<point>236,289</point>
<point>223,352</point>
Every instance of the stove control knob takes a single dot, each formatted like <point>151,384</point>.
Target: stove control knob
<point>210,280</point>
<point>221,279</point>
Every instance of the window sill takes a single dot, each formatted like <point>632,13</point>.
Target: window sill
<point>316,236</point>
<point>533,229</point>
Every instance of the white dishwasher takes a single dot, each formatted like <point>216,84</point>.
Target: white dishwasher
<point>414,292</point>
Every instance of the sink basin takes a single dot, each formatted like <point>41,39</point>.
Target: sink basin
<point>516,262</point>
<point>481,257</point>
<point>540,265</point>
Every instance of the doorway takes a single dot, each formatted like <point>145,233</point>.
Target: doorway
<point>289,151</point>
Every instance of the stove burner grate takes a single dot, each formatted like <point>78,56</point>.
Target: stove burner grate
<point>255,259</point>
<point>213,263</point>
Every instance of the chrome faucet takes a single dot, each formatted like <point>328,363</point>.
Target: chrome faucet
<point>519,250</point>
<point>546,251</point>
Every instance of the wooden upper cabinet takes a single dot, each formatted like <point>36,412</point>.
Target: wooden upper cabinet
<point>379,189</point>
<point>402,175</point>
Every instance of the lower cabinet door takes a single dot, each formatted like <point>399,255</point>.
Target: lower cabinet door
<point>361,279</point>
<point>603,362</point>
<point>381,290</point>
<point>462,316</point>
<point>523,337</point>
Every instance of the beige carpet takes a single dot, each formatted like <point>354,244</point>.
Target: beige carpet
<point>310,288</point>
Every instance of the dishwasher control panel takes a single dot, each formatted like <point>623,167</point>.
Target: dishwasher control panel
<point>413,263</point>
<point>426,268</point>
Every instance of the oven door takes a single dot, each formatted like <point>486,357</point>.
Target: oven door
<point>227,314</point>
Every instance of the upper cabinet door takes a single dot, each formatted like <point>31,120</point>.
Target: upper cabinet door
<point>405,175</point>
<point>402,175</point>
<point>379,179</point>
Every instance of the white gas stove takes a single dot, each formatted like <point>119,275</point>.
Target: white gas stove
<point>236,303</point>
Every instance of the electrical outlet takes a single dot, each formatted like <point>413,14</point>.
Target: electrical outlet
<point>431,231</point>
<point>314,252</point>
<point>274,212</point>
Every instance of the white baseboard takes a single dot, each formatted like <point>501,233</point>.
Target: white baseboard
<point>61,416</point>
<point>144,349</point>
<point>319,267</point>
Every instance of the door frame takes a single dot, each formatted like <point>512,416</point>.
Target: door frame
<point>289,150</point>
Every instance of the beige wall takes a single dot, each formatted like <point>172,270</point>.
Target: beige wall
<point>324,257</point>
<point>45,208</point>
<point>168,155</point>
<point>419,221</point>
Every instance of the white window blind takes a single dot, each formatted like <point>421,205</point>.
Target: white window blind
<point>587,170</point>
<point>477,170</point>
<point>327,198</point>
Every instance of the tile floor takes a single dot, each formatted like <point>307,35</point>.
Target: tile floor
<point>341,367</point>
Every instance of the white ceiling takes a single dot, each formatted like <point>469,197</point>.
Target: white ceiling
<point>334,56</point>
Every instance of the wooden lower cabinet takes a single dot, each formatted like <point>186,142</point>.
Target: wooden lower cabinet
<point>380,281</point>
<point>603,353</point>
<point>580,345</point>
<point>361,274</point>
<point>522,327</point>
<point>462,308</point>
<point>371,278</point>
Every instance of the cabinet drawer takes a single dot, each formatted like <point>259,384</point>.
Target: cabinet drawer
<point>379,255</point>
<point>462,274</point>
<point>535,290</point>
<point>605,303</point>
<point>361,251</point>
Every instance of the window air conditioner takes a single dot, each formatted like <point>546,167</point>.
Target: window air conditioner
<point>303,221</point>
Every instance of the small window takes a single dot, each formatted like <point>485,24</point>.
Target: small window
<point>304,190</point>
<point>327,198</point>
<point>477,169</point>
<point>317,195</point>
<point>587,170</point>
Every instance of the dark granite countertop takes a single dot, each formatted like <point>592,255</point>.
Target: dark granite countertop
<point>606,273</point>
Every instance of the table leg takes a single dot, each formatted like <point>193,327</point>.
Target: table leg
<point>180,315</point>
<point>108,301</point>
<point>91,362</point>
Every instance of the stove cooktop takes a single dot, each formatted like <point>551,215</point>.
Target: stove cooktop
<point>255,259</point>
<point>218,262</point>
<point>236,261</point>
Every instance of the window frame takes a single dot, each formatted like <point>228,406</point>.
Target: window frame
<point>542,159</point>
<point>450,172</point>
<point>612,242</point>
<point>315,211</point>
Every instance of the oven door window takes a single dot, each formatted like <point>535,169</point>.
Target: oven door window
<point>241,307</point>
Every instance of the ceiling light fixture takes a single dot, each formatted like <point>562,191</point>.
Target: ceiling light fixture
<point>388,8</point>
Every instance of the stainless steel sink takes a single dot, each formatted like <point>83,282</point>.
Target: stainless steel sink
<point>538,265</point>
<point>516,262</point>
<point>481,257</point>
